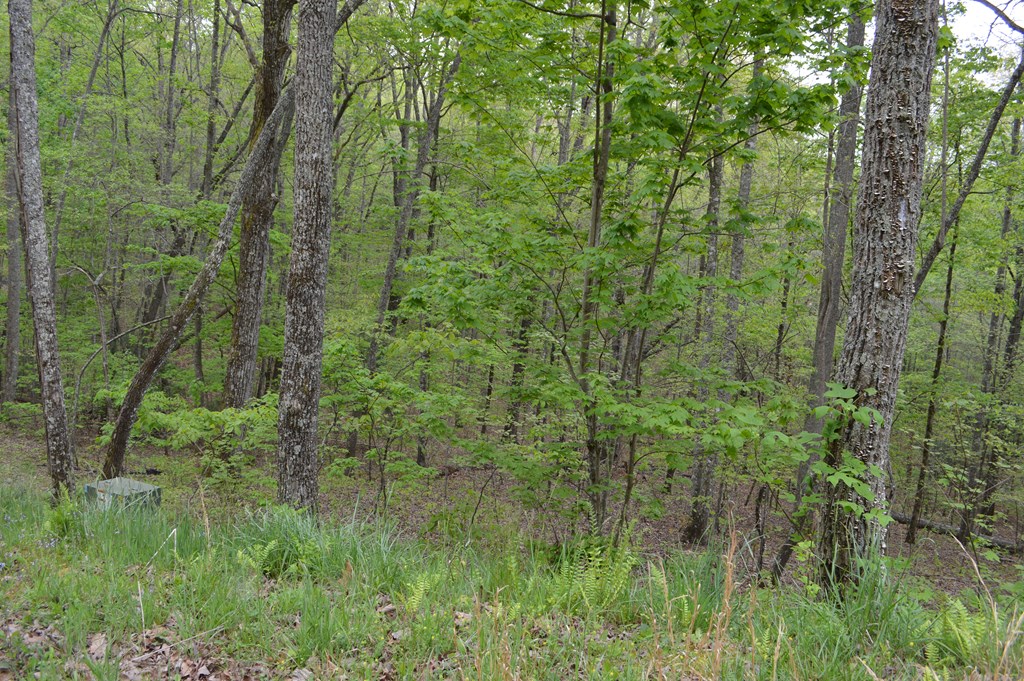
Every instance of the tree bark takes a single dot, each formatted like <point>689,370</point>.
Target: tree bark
<point>882,288</point>
<point>12,349</point>
<point>29,178</point>
<point>298,458</point>
<point>257,213</point>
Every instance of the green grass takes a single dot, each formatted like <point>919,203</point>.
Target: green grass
<point>274,592</point>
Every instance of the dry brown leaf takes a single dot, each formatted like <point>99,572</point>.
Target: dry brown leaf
<point>98,646</point>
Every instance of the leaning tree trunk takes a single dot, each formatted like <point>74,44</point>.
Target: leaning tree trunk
<point>262,154</point>
<point>298,462</point>
<point>28,170</point>
<point>257,213</point>
<point>973,172</point>
<point>882,288</point>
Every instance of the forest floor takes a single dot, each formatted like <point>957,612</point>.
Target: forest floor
<point>455,579</point>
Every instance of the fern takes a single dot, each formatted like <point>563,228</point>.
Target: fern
<point>594,579</point>
<point>419,588</point>
<point>956,637</point>
<point>257,557</point>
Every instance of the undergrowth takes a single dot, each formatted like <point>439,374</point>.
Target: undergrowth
<point>359,600</point>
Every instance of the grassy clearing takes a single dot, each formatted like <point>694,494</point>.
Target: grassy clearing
<point>94,594</point>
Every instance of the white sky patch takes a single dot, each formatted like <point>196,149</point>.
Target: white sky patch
<point>979,25</point>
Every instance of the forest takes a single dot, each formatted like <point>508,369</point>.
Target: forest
<point>513,339</point>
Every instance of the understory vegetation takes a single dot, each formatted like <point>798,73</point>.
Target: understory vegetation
<point>107,594</point>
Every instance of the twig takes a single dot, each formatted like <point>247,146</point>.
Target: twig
<point>150,654</point>
<point>1003,15</point>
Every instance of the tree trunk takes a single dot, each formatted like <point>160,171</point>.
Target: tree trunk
<point>882,288</point>
<point>833,251</point>
<point>257,213</point>
<point>112,13</point>
<point>212,98</point>
<point>706,461</point>
<point>595,449</point>
<point>12,351</point>
<point>738,246</point>
<point>837,224</point>
<point>410,194</point>
<point>929,424</point>
<point>972,174</point>
<point>156,293</point>
<point>985,472</point>
<point>940,345</point>
<point>298,461</point>
<point>28,169</point>
<point>262,154</point>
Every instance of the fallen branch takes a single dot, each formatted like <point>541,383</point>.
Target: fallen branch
<point>944,528</point>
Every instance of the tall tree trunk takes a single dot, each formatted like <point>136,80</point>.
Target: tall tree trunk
<point>409,191</point>
<point>28,169</point>
<point>262,154</point>
<point>595,449</point>
<point>929,424</point>
<point>882,288</point>
<point>833,251</point>
<point>1014,332</point>
<point>298,461</point>
<point>257,213</point>
<point>12,350</point>
<point>837,223</point>
<point>940,345</point>
<point>705,461</point>
<point>738,246</point>
<point>212,98</point>
<point>112,13</point>
<point>985,471</point>
<point>157,292</point>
